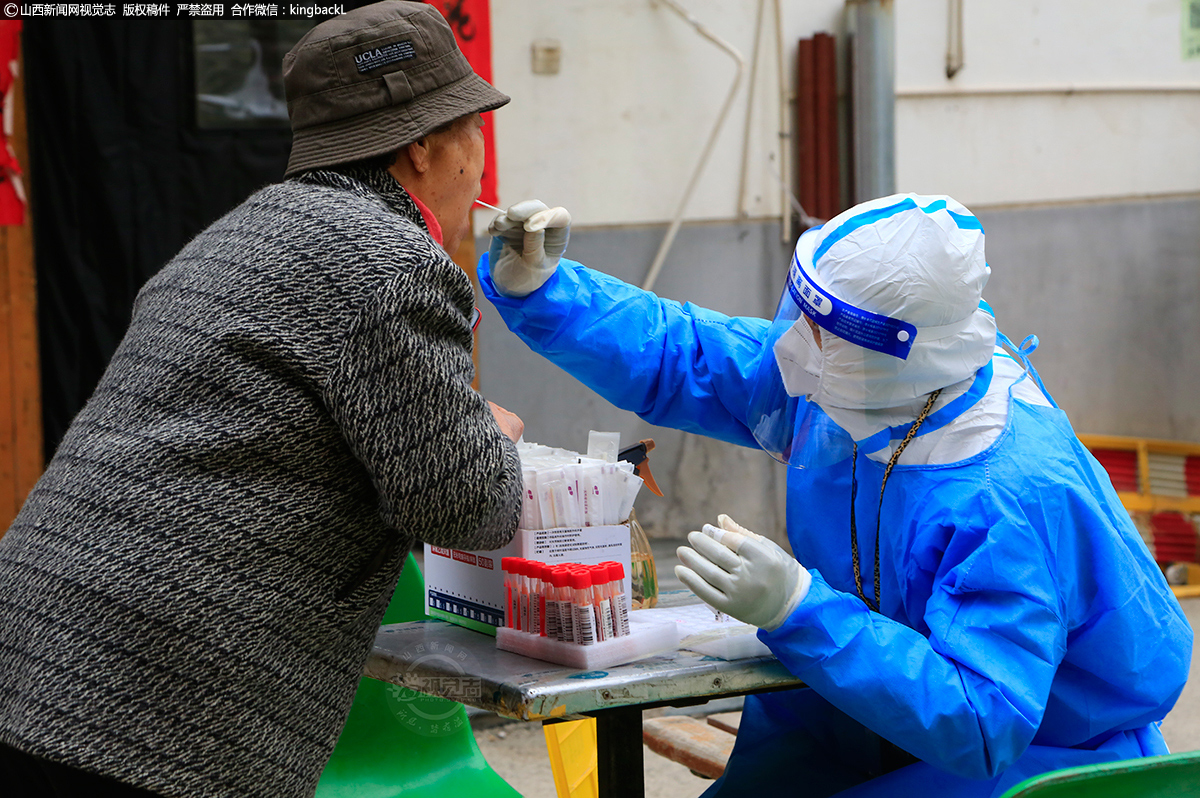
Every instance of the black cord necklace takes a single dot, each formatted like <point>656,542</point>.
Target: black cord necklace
<point>912,433</point>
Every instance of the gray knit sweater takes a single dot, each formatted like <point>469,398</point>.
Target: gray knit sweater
<point>189,593</point>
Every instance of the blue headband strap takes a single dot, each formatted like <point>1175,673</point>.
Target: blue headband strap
<point>869,330</point>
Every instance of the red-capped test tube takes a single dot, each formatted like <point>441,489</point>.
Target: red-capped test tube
<point>520,594</point>
<point>537,598</point>
<point>602,602</point>
<point>523,594</point>
<point>560,576</point>
<point>584,611</point>
<point>532,576</point>
<point>510,617</point>
<point>616,576</point>
<point>550,623</point>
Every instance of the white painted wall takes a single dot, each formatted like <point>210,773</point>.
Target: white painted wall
<point>1046,43</point>
<point>614,137</point>
<point>1058,100</point>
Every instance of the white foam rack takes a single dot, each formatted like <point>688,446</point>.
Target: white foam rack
<point>645,639</point>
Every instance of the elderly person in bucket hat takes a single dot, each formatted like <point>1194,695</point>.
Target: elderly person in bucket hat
<point>191,589</point>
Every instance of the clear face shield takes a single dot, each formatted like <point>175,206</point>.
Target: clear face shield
<point>786,424</point>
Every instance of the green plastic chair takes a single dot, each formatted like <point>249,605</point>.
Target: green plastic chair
<point>386,748</point>
<point>1165,776</point>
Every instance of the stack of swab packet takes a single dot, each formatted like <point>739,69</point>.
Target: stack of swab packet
<point>566,489</point>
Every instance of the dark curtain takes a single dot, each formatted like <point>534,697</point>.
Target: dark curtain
<point>121,180</point>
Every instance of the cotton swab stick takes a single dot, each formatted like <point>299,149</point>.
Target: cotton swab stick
<point>490,207</point>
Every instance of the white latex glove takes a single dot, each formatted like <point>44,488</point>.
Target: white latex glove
<point>742,574</point>
<point>731,533</point>
<point>527,241</point>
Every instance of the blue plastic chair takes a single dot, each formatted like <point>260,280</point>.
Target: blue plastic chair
<point>387,749</point>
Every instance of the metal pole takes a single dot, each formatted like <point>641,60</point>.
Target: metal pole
<point>785,130</point>
<point>871,26</point>
<point>954,39</point>
<point>619,759</point>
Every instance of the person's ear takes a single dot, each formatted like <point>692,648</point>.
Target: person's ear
<point>419,154</point>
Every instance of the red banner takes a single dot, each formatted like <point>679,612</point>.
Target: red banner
<point>12,194</point>
<point>471,21</point>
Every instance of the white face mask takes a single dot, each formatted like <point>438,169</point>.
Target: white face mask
<point>799,359</point>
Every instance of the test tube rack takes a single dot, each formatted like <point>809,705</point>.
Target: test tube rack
<point>645,639</point>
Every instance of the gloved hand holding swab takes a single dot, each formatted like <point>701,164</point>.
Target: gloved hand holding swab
<point>527,241</point>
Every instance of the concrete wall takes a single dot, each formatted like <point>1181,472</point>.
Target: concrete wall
<point>1113,292</point>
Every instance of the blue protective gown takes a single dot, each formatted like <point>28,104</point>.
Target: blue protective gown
<point>1024,626</point>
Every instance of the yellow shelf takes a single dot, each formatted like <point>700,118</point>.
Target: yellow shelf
<point>1145,500</point>
<point>1122,442</point>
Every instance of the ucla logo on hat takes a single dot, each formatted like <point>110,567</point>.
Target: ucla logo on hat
<point>378,57</point>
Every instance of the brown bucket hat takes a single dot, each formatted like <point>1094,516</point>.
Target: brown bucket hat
<point>374,79</point>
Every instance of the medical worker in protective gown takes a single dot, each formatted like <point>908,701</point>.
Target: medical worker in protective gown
<point>969,603</point>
